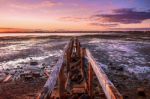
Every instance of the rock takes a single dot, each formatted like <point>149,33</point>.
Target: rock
<point>84,96</point>
<point>120,68</point>
<point>145,81</point>
<point>34,63</point>
<point>74,96</point>
<point>43,64</point>
<point>112,67</point>
<point>125,95</point>
<point>28,78</point>
<point>141,92</point>
<point>36,74</point>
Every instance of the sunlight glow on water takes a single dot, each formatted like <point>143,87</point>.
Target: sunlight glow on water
<point>44,34</point>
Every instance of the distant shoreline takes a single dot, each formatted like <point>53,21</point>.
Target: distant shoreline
<point>147,31</point>
<point>140,35</point>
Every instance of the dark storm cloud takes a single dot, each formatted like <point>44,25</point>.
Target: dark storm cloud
<point>125,16</point>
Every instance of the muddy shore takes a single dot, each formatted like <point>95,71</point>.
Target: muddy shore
<point>125,59</point>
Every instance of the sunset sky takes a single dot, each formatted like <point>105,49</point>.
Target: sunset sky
<point>74,15</point>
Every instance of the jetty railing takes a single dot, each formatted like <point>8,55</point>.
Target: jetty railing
<point>109,89</point>
<point>51,82</point>
<point>57,74</point>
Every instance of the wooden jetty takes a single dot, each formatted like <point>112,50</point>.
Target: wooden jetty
<point>76,75</point>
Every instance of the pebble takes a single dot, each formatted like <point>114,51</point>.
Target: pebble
<point>141,92</point>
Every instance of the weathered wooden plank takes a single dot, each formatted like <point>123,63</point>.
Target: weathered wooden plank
<point>109,89</point>
<point>68,54</point>
<point>90,81</point>
<point>61,83</point>
<point>77,47</point>
<point>8,78</point>
<point>50,83</point>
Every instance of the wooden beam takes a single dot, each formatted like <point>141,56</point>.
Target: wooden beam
<point>90,81</point>
<point>78,49</point>
<point>82,60</point>
<point>69,53</point>
<point>68,60</point>
<point>8,78</point>
<point>51,82</point>
<point>109,89</point>
<point>61,82</point>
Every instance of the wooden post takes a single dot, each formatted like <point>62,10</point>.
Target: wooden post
<point>82,52</point>
<point>68,60</point>
<point>78,49</point>
<point>90,81</point>
<point>51,81</point>
<point>82,57</point>
<point>76,45</point>
<point>109,89</point>
<point>61,82</point>
<point>71,47</point>
<point>68,53</point>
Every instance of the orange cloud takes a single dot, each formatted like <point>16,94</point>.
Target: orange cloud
<point>12,30</point>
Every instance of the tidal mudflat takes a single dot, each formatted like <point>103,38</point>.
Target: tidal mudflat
<point>124,57</point>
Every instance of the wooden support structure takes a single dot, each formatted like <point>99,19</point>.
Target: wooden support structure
<point>67,71</point>
<point>82,56</point>
<point>90,81</point>
<point>109,89</point>
<point>50,83</point>
<point>61,83</point>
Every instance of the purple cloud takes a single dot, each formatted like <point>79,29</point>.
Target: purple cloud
<point>105,24</point>
<point>125,16</point>
<point>74,19</point>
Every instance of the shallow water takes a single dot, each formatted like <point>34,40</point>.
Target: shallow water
<point>133,56</point>
<point>109,50</point>
<point>16,53</point>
